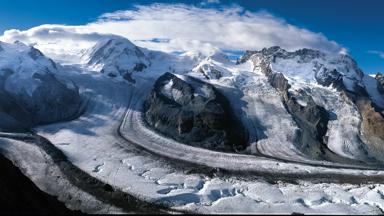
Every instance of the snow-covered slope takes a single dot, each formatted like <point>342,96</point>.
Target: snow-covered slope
<point>308,114</point>
<point>30,93</point>
<point>335,83</point>
<point>117,57</point>
<point>310,66</point>
<point>25,62</point>
<point>213,66</point>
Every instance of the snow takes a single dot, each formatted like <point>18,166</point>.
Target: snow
<point>18,58</point>
<point>371,86</point>
<point>41,169</point>
<point>344,126</point>
<point>296,72</point>
<point>167,90</point>
<point>107,142</point>
<point>114,55</point>
<point>301,72</point>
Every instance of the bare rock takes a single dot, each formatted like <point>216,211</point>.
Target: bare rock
<point>380,82</point>
<point>194,113</point>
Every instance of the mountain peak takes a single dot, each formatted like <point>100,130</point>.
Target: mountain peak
<point>117,56</point>
<point>308,65</point>
<point>24,62</point>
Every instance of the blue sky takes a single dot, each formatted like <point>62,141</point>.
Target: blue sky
<point>355,25</point>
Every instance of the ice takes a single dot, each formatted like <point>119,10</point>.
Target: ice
<point>93,136</point>
<point>167,90</point>
<point>371,86</point>
<point>343,128</point>
<point>111,143</point>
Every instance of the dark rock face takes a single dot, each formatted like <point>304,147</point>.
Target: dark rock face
<point>210,72</point>
<point>194,113</point>
<point>13,117</point>
<point>380,82</point>
<point>127,75</point>
<point>20,196</point>
<point>139,67</point>
<point>35,53</point>
<point>50,102</point>
<point>326,78</point>
<point>312,119</point>
<point>279,82</point>
<point>372,126</point>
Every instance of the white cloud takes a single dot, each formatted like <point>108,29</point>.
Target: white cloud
<point>379,53</point>
<point>63,43</point>
<point>227,28</point>
<point>210,2</point>
<point>179,27</point>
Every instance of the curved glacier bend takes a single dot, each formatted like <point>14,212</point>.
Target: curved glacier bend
<point>94,138</point>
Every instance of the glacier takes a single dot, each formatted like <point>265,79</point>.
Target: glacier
<point>108,140</point>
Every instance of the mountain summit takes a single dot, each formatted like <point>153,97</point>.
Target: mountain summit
<point>30,92</point>
<point>117,57</point>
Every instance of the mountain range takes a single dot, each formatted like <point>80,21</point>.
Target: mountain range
<point>297,107</point>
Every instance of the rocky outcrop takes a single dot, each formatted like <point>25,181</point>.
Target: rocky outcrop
<point>380,82</point>
<point>210,72</point>
<point>327,77</point>
<point>372,126</point>
<point>279,82</point>
<point>194,113</point>
<point>312,119</point>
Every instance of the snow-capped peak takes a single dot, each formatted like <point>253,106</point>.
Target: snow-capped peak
<point>309,66</point>
<point>18,65</point>
<point>102,47</point>
<point>213,66</point>
<point>116,56</point>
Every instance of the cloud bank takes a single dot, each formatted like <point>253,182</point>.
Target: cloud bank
<point>179,27</point>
